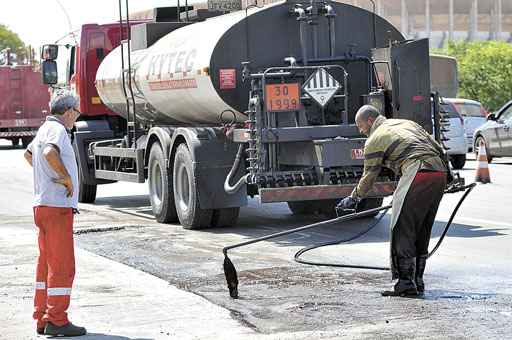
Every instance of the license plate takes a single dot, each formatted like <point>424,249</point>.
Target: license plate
<point>282,97</point>
<point>21,122</point>
<point>357,154</point>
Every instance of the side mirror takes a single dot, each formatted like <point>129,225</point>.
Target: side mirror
<point>50,52</point>
<point>50,75</point>
<point>491,116</point>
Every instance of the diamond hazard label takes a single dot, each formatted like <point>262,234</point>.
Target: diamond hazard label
<point>321,86</point>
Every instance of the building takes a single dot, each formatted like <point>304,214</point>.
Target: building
<point>442,20</point>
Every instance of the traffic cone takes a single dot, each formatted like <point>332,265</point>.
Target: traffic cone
<point>482,166</point>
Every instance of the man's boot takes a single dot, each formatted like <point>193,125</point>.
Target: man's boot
<point>421,262</point>
<point>67,330</point>
<point>406,285</point>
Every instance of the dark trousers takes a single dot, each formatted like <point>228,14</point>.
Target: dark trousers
<point>411,234</point>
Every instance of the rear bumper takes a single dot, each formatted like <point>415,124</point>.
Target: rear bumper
<point>16,134</point>
<point>21,123</point>
<point>456,145</point>
<point>469,140</point>
<point>320,192</point>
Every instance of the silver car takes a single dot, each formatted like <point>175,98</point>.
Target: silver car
<point>496,133</point>
<point>472,112</point>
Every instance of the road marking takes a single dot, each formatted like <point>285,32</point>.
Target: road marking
<point>484,222</point>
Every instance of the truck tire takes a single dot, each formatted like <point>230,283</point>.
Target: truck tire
<point>226,217</point>
<point>86,192</point>
<point>161,194</point>
<point>370,203</point>
<point>15,142</point>
<point>186,197</point>
<point>458,161</point>
<point>303,207</point>
<point>327,207</point>
<point>25,141</point>
<point>321,207</point>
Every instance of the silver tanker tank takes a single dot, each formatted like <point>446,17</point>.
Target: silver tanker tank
<point>193,73</point>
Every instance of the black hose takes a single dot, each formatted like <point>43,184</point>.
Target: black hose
<point>297,258</point>
<point>332,243</point>
<point>231,274</point>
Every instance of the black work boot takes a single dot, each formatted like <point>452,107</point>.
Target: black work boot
<point>406,286</point>
<point>67,330</point>
<point>421,262</point>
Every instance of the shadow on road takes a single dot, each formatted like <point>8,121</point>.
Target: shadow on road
<point>101,336</point>
<point>10,147</point>
<point>258,220</point>
<point>135,201</point>
<point>436,294</point>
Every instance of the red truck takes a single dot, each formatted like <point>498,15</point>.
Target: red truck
<point>79,55</point>
<point>23,103</point>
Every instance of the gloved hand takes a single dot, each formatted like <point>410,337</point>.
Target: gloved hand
<point>346,205</point>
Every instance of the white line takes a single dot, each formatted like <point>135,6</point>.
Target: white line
<point>482,222</point>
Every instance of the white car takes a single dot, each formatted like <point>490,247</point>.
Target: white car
<point>472,112</point>
<point>456,145</point>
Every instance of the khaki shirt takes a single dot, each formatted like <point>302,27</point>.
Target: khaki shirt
<point>396,144</point>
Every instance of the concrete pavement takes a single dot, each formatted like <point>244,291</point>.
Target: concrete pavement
<point>111,300</point>
<point>117,302</point>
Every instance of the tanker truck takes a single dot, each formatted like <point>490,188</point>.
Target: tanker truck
<point>211,108</point>
<point>23,99</point>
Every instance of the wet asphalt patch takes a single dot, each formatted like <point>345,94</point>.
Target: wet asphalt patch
<point>282,296</point>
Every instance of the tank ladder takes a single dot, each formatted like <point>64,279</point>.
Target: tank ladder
<point>127,75</point>
<point>120,159</point>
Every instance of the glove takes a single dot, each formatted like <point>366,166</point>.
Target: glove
<point>348,203</point>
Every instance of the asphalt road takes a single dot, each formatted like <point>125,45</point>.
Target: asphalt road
<point>469,281</point>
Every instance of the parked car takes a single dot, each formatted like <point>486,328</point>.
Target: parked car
<point>496,133</point>
<point>456,145</point>
<point>472,112</point>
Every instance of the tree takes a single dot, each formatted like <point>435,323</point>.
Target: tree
<point>485,71</point>
<point>9,39</point>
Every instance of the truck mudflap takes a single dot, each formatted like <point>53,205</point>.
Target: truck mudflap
<point>320,192</point>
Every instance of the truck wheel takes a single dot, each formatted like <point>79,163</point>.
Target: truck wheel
<point>161,193</point>
<point>370,203</point>
<point>25,141</point>
<point>303,207</point>
<point>186,199</point>
<point>15,142</point>
<point>226,217</point>
<point>321,207</point>
<point>458,161</point>
<point>86,192</point>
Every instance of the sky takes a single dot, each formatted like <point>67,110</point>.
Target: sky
<point>43,21</point>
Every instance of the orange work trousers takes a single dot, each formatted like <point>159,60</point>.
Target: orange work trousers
<point>55,265</point>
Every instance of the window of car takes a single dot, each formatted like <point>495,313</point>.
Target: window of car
<point>449,110</point>
<point>470,109</point>
<point>506,114</point>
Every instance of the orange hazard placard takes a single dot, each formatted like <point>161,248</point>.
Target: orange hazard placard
<point>282,97</point>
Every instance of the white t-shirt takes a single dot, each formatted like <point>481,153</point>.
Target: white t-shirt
<point>46,192</point>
